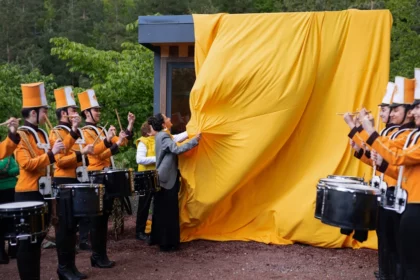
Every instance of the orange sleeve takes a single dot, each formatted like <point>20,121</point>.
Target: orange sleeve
<point>105,155</point>
<point>99,147</point>
<point>66,161</point>
<point>69,140</point>
<point>366,160</point>
<point>392,171</point>
<point>393,154</point>
<point>29,163</point>
<point>364,156</point>
<point>7,147</point>
<point>115,140</point>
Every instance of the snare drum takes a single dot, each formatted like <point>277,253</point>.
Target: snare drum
<point>117,182</point>
<point>86,199</point>
<point>146,182</point>
<point>24,220</point>
<point>350,206</point>
<point>339,177</point>
<point>320,187</point>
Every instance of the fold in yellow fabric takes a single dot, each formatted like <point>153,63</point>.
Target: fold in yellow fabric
<point>267,92</point>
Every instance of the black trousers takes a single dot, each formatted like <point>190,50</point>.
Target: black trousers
<point>84,228</point>
<point>410,242</point>
<point>143,211</point>
<point>388,243</point>
<point>165,220</point>
<point>67,226</point>
<point>29,254</point>
<point>99,228</point>
<point>6,196</point>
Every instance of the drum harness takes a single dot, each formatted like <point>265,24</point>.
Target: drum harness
<point>81,171</point>
<point>378,181</point>
<point>399,199</point>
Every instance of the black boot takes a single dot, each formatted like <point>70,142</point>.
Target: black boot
<point>77,272</point>
<point>28,260</point>
<point>12,251</point>
<point>4,258</point>
<point>98,240</point>
<point>399,272</point>
<point>64,270</point>
<point>72,265</point>
<point>65,273</point>
<point>101,261</point>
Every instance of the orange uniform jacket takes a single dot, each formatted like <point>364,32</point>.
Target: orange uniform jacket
<point>103,150</point>
<point>33,167</point>
<point>66,162</point>
<point>359,136</point>
<point>395,155</point>
<point>8,146</point>
<point>398,137</point>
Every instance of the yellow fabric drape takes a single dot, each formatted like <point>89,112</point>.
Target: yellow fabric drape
<point>266,95</point>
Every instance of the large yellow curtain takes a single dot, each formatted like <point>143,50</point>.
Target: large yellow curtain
<point>267,92</point>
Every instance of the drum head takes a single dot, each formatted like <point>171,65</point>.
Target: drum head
<point>356,188</point>
<point>20,205</point>
<point>341,181</point>
<point>73,186</point>
<point>353,178</point>
<point>116,170</point>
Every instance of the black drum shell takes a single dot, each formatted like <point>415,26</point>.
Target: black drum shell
<point>319,198</point>
<point>145,181</point>
<point>320,190</point>
<point>28,220</point>
<point>349,210</point>
<point>86,199</point>
<point>116,182</point>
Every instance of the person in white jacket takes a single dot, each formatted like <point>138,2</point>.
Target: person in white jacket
<point>146,160</point>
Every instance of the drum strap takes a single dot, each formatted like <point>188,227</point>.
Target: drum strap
<point>79,141</point>
<point>25,139</point>
<point>45,146</point>
<point>407,143</point>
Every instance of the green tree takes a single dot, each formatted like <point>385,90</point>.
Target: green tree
<point>122,80</point>
<point>11,77</point>
<point>405,39</point>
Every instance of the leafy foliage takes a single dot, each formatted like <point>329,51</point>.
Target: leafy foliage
<point>93,43</point>
<point>122,80</point>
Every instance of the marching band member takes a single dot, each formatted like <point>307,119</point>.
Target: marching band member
<point>388,220</point>
<point>34,156</point>
<point>395,155</point>
<point>65,173</point>
<point>8,146</point>
<point>100,159</point>
<point>7,189</point>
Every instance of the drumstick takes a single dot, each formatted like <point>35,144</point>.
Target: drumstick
<point>52,128</point>
<point>103,128</point>
<point>119,121</point>
<point>351,114</point>
<point>7,122</point>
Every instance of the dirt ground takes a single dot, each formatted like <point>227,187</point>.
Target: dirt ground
<point>214,260</point>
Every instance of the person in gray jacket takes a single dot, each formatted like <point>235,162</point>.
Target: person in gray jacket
<point>165,220</point>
